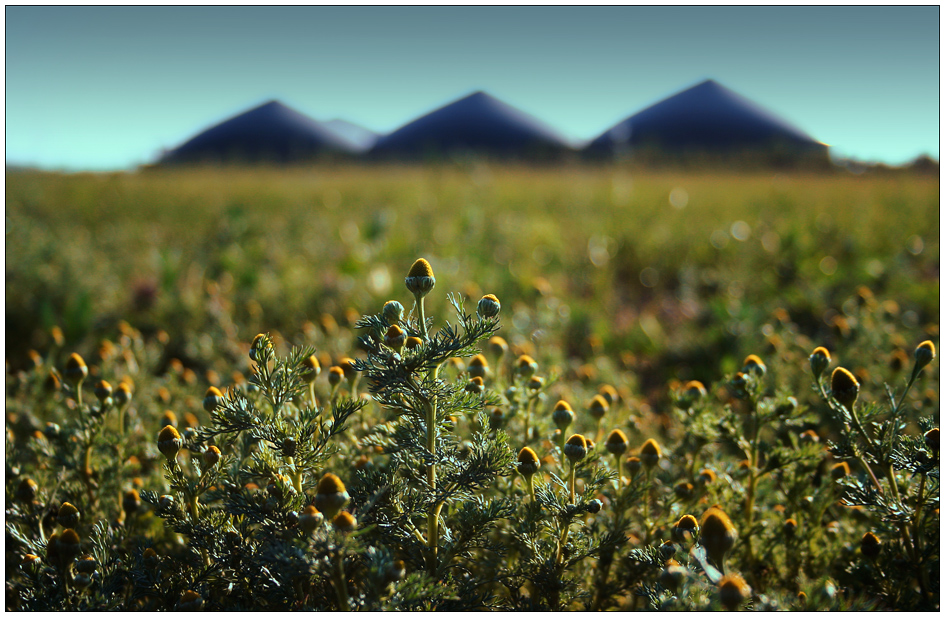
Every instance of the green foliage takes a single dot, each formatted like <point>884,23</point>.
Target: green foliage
<point>440,516</point>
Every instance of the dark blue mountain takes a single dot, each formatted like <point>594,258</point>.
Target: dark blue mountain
<point>478,124</point>
<point>705,118</point>
<point>271,132</point>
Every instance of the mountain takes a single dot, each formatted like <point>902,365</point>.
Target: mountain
<point>707,118</point>
<point>272,132</point>
<point>478,124</point>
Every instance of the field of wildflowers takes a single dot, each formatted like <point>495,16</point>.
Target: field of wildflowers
<point>471,387</point>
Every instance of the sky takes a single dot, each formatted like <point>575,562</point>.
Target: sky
<point>108,87</point>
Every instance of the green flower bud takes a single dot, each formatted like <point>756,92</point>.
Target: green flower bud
<point>420,279</point>
<point>488,307</point>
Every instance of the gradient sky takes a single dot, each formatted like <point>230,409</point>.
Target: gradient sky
<point>109,87</point>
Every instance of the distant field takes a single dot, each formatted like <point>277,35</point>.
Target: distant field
<point>604,247</point>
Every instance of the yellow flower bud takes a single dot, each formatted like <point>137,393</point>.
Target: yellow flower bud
<point>420,279</point>
<point>527,462</point>
<point>733,591</point>
<point>844,387</point>
<point>650,453</point>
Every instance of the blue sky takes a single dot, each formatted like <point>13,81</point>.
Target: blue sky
<point>109,87</point>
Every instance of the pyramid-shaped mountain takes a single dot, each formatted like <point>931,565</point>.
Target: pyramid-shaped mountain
<point>270,133</point>
<point>707,118</point>
<point>478,124</point>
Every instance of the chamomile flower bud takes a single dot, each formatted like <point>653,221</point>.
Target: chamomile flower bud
<point>190,601</point>
<point>348,368</point>
<point>420,279</point>
<point>694,390</point>
<point>789,528</point>
<point>26,490</point>
<point>166,502</point>
<point>840,470</point>
<point>931,438</point>
<point>68,516</point>
<point>616,442</point>
<point>706,477</point>
<point>103,392</point>
<point>526,366</point>
<point>396,571</point>
<point>478,366</point>
<point>150,557</point>
<point>213,399</point>
<point>733,591</point>
<point>496,418</point>
<point>169,442</point>
<point>497,346</point>
<point>536,383</point>
<point>739,383</point>
<point>594,506</point>
<point>392,312</point>
<point>413,342</point>
<point>683,490</point>
<point>310,369</point>
<point>30,560</point>
<point>510,393</point>
<point>82,581</point>
<point>844,387</point>
<point>754,365</point>
<point>819,361</point>
<point>68,545</point>
<point>488,307</point>
<point>260,343</point>
<point>395,337</point>
<point>335,376</point>
<point>288,447</point>
<point>131,501</point>
<point>633,466</point>
<point>685,530</point>
<point>310,519</point>
<point>562,415</point>
<point>122,394</point>
<point>870,546</point>
<point>923,355</point>
<point>528,462</point>
<point>87,564</point>
<point>76,369</point>
<point>345,522</point>
<point>609,393</point>
<point>809,436</point>
<point>330,495</point>
<point>673,576</point>
<point>650,453</point>
<point>717,535</point>
<point>475,385</point>
<point>598,407</point>
<point>211,456</point>
<point>52,383</point>
<point>576,447</point>
<point>667,550</point>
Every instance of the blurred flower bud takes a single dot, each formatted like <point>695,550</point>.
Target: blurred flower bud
<point>76,369</point>
<point>733,591</point>
<point>330,495</point>
<point>598,407</point>
<point>211,456</point>
<point>717,535</point>
<point>68,516</point>
<point>562,415</point>
<point>310,369</point>
<point>844,387</point>
<point>754,365</point>
<point>923,356</point>
<point>650,453</point>
<point>213,399</point>
<point>616,442</point>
